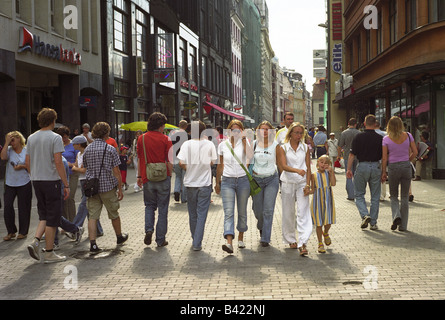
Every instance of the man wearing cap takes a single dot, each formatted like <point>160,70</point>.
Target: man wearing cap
<point>332,151</point>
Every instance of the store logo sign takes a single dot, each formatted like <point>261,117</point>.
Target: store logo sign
<point>32,43</point>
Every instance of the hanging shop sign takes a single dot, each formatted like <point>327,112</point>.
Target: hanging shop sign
<point>32,43</point>
<point>190,105</point>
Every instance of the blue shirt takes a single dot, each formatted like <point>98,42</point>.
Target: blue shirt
<point>70,154</point>
<point>320,139</point>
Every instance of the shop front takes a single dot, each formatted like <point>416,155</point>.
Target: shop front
<point>418,100</point>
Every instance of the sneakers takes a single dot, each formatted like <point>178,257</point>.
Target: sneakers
<point>122,238</point>
<point>52,257</point>
<point>78,235</point>
<point>365,222</point>
<point>34,250</point>
<point>95,249</point>
<point>227,248</point>
<point>241,244</point>
<point>374,227</point>
<point>395,223</point>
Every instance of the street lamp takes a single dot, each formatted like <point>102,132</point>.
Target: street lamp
<point>328,75</point>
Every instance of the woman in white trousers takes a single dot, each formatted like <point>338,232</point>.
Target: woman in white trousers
<point>294,161</point>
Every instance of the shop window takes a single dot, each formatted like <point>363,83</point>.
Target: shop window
<point>421,116</point>
<point>380,110</point>
<point>395,102</point>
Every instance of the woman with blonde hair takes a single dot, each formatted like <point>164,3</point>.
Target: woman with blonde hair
<point>17,184</point>
<point>264,170</point>
<point>232,182</point>
<point>398,150</point>
<point>295,164</point>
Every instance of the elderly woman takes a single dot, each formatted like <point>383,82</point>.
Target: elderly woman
<point>17,184</point>
<point>233,183</point>
<point>264,169</point>
<point>295,164</point>
<point>398,149</point>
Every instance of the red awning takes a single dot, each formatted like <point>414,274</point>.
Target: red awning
<point>208,106</point>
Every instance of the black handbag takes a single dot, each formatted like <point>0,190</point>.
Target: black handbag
<point>91,186</point>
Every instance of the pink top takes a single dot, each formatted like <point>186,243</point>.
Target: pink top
<point>398,152</point>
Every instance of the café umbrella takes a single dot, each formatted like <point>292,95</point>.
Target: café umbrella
<point>142,125</point>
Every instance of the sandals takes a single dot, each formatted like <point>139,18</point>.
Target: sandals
<point>293,245</point>
<point>9,237</point>
<point>327,239</point>
<point>321,248</point>
<point>303,250</point>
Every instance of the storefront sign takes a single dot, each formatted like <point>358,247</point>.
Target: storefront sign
<point>32,43</point>
<point>337,58</point>
<point>337,23</point>
<point>87,101</point>
<point>186,85</point>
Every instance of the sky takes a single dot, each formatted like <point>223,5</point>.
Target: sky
<point>294,34</point>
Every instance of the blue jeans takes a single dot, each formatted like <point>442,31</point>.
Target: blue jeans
<point>368,173</point>
<point>157,197</point>
<point>198,202</point>
<point>350,182</point>
<point>399,174</point>
<point>179,182</point>
<point>235,189</point>
<point>82,211</point>
<point>263,204</point>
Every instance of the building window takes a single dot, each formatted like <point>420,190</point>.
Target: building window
<point>410,15</point>
<point>321,107</point>
<point>17,7</point>
<point>120,25</point>
<point>368,45</point>
<point>193,71</point>
<point>436,10</point>
<point>379,37</point>
<point>392,21</point>
<point>182,60</point>
<point>141,34</point>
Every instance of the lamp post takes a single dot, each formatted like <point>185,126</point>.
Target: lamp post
<point>328,76</point>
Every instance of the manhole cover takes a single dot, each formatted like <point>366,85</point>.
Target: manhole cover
<point>105,253</point>
<point>353,283</point>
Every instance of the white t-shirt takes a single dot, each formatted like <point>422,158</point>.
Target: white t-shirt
<point>265,163</point>
<point>198,155</point>
<point>41,147</point>
<point>232,168</point>
<point>295,159</point>
<point>281,134</point>
<point>80,165</point>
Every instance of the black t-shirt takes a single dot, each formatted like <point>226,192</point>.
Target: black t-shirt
<point>367,146</point>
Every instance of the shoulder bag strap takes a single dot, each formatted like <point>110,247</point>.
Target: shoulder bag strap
<point>237,159</point>
<point>143,144</point>
<point>103,156</point>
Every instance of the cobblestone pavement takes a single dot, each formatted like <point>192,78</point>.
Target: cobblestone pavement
<point>360,264</point>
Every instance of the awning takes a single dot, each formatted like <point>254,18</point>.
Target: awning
<point>208,107</point>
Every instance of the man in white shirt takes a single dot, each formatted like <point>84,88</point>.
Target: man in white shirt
<point>281,134</point>
<point>196,158</point>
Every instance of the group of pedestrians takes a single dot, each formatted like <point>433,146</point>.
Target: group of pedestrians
<point>276,162</point>
<point>53,164</point>
<point>239,160</point>
<point>373,159</point>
